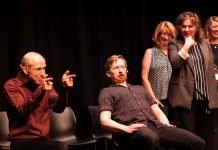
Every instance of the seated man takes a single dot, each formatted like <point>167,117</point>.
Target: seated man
<point>135,117</point>
<point>28,98</point>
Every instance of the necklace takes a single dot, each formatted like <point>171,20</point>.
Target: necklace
<point>215,46</point>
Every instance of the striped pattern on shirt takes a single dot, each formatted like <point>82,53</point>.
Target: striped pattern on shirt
<point>201,86</point>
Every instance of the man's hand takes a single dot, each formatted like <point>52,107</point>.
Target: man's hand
<point>134,127</point>
<point>46,83</point>
<point>67,80</point>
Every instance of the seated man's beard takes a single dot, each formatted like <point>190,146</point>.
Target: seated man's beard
<point>120,79</point>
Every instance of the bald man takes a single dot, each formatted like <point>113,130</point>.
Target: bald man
<point>29,97</point>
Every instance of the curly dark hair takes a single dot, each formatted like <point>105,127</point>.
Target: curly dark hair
<point>194,18</point>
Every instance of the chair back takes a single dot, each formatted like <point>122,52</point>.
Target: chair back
<point>63,125</point>
<point>4,130</point>
<point>97,129</point>
<point>63,128</point>
<point>100,132</point>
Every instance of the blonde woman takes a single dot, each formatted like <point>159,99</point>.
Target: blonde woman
<point>211,32</point>
<point>156,67</point>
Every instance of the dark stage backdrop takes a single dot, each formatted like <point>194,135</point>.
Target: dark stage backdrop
<point>80,35</point>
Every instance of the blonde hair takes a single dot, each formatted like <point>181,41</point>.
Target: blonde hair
<point>207,25</point>
<point>113,59</point>
<point>164,26</point>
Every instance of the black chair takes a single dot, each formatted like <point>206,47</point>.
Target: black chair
<point>98,132</point>
<point>63,128</point>
<point>102,134</point>
<point>4,130</point>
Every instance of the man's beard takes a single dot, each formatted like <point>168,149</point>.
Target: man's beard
<point>119,79</point>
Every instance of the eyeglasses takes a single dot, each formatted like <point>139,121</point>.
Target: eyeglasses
<point>119,67</point>
<point>166,34</point>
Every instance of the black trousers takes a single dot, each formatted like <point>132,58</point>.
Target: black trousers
<point>37,144</point>
<point>211,130</point>
<point>151,138</point>
<point>191,120</point>
<point>198,120</point>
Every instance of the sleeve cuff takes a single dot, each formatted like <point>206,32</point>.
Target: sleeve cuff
<point>183,54</point>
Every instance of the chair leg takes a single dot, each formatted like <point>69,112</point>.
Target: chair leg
<point>105,144</point>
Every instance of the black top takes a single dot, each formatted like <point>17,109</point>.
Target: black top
<point>215,52</point>
<point>128,105</point>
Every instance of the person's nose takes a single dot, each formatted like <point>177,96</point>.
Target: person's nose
<point>186,28</point>
<point>42,72</point>
<point>167,37</point>
<point>120,69</point>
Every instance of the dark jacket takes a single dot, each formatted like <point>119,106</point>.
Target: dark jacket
<point>181,86</point>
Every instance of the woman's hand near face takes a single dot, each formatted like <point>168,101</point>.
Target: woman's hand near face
<point>189,41</point>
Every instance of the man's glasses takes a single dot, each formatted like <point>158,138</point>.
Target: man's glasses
<point>119,67</point>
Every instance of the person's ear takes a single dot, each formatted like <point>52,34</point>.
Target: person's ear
<point>24,69</point>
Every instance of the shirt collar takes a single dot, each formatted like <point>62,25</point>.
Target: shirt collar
<point>115,85</point>
<point>22,78</point>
